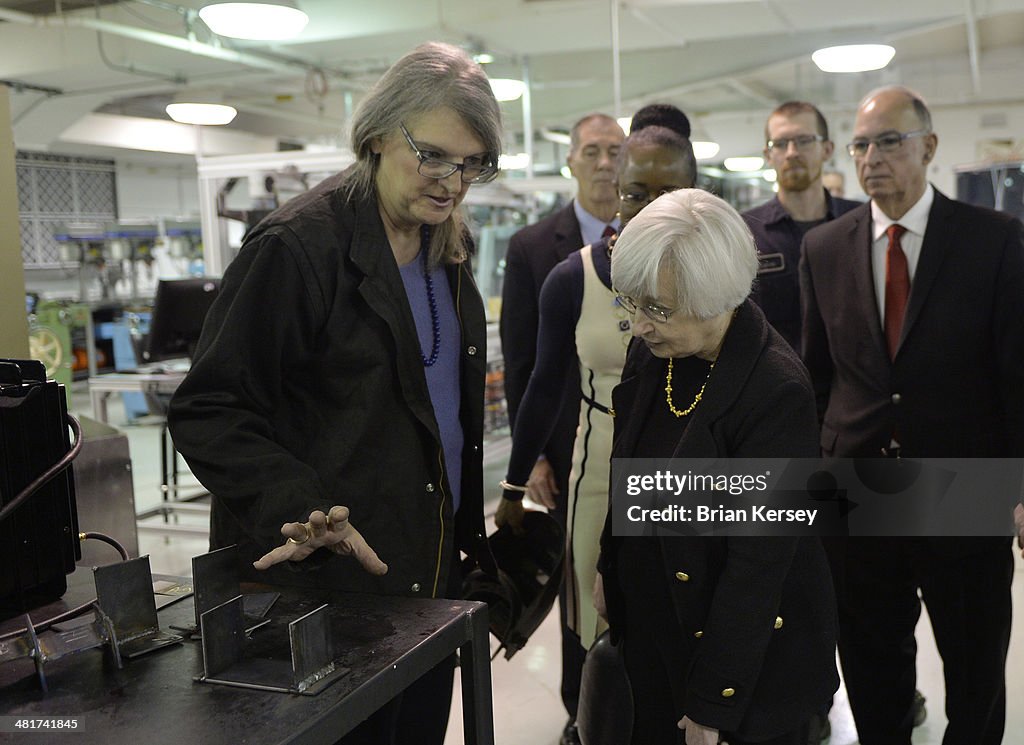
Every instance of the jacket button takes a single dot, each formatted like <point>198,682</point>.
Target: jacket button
<point>728,692</point>
<point>415,587</point>
<point>698,634</point>
<point>896,398</point>
<point>778,622</point>
<point>471,350</point>
<point>682,576</point>
<point>430,488</point>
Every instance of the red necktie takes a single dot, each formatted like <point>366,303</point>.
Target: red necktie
<point>608,232</point>
<point>897,288</point>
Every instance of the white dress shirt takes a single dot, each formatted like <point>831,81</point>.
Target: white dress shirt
<point>915,221</point>
<point>591,228</point>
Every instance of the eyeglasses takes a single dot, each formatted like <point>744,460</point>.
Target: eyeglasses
<point>886,143</point>
<point>655,312</point>
<point>802,142</point>
<point>474,169</point>
<point>642,197</point>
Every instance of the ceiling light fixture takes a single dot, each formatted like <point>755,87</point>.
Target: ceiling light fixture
<point>853,57</point>
<point>513,161</point>
<point>704,149</point>
<point>625,122</point>
<point>742,164</point>
<point>483,58</point>
<point>507,89</point>
<point>256,21</point>
<point>214,114</point>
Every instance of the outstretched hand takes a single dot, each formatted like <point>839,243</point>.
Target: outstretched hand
<point>333,532</point>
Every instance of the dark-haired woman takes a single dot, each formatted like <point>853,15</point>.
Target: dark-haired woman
<point>583,327</point>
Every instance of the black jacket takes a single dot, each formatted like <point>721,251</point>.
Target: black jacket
<point>778,238</point>
<point>307,391</point>
<point>758,404</point>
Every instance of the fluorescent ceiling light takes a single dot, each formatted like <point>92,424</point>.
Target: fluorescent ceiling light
<point>703,149</point>
<point>201,113</point>
<point>853,57</point>
<point>513,161</point>
<point>258,21</point>
<point>566,173</point>
<point>507,89</point>
<point>751,163</point>
<point>770,175</point>
<point>562,138</point>
<point>625,122</point>
<point>483,58</point>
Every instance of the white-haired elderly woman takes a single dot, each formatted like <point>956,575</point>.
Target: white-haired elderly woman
<point>726,639</point>
<point>341,369</point>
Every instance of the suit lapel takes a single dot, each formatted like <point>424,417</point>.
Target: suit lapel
<point>568,237</point>
<point>936,243</point>
<point>861,240</point>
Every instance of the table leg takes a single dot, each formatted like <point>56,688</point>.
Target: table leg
<point>475,666</point>
<point>99,404</point>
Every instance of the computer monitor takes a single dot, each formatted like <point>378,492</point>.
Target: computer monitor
<point>179,310</point>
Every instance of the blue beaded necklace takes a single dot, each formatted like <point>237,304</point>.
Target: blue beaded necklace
<point>435,317</point>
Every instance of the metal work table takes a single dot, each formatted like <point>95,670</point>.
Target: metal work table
<point>386,642</point>
<point>101,386</point>
<point>171,500</point>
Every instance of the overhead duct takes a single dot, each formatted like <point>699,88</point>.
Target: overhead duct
<point>278,64</point>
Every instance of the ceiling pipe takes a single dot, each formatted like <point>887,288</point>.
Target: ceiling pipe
<point>159,39</point>
<point>527,103</point>
<point>616,61</point>
<point>971,24</point>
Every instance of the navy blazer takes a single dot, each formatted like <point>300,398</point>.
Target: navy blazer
<point>532,253</point>
<point>757,614</point>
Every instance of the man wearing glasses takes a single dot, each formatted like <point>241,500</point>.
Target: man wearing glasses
<point>913,335</point>
<point>797,147</point>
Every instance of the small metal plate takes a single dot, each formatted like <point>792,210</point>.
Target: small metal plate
<point>215,579</point>
<point>223,633</point>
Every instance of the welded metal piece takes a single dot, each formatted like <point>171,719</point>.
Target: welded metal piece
<point>229,660</point>
<point>312,656</point>
<point>124,594</point>
<point>223,636</point>
<point>215,579</point>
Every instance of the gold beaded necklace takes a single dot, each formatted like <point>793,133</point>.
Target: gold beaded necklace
<point>696,399</point>
<point>700,394</point>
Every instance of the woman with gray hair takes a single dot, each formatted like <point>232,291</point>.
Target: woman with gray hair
<point>727,639</point>
<point>340,372</point>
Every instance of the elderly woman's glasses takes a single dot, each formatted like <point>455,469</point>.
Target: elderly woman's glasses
<point>655,312</point>
<point>886,143</point>
<point>475,170</point>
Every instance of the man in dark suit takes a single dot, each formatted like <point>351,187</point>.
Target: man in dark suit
<point>532,253</point>
<point>913,333</point>
<point>796,146</point>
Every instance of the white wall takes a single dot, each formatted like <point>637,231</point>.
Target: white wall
<point>148,192</point>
